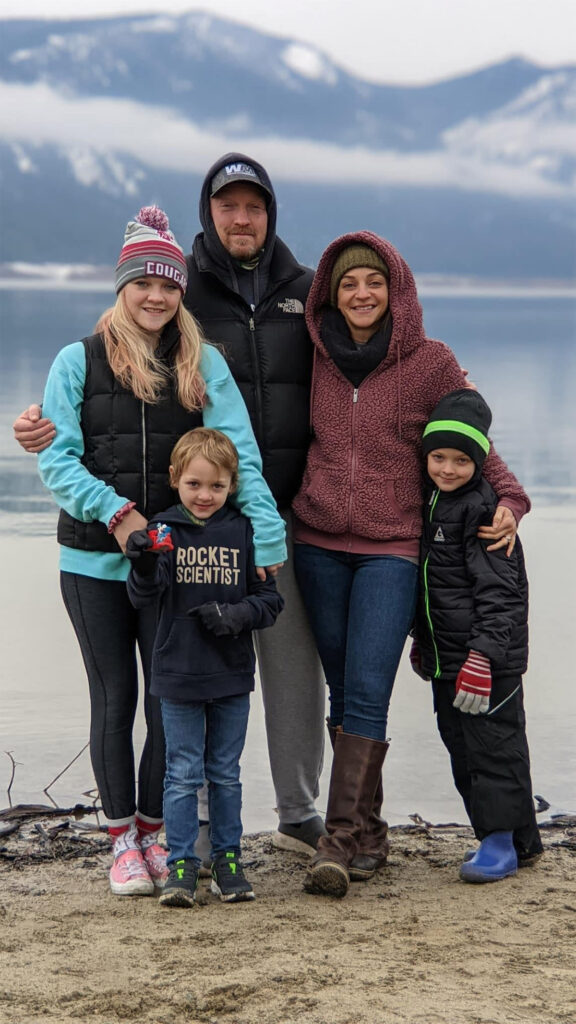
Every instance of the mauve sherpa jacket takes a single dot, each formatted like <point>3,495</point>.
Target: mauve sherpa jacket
<point>363,474</point>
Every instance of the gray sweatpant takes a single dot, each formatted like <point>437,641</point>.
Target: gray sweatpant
<point>294,696</point>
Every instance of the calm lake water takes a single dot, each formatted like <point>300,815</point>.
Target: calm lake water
<point>521,353</point>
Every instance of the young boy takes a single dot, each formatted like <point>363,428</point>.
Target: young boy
<point>472,641</point>
<point>211,598</point>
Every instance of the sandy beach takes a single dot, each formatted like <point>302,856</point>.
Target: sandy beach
<point>414,945</point>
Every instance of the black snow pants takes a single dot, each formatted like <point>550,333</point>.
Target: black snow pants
<point>491,763</point>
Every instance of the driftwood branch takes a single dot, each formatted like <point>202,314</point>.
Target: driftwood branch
<point>63,772</point>
<point>93,794</point>
<point>28,812</point>
<point>7,830</point>
<point>12,776</point>
<point>17,814</point>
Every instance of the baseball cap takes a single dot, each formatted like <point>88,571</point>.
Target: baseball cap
<point>236,172</point>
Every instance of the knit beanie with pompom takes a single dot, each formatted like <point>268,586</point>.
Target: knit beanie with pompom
<point>150,250</point>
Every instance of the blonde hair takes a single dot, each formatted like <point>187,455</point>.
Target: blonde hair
<point>212,445</point>
<point>135,364</point>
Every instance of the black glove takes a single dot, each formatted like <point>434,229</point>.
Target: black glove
<point>223,619</point>
<point>416,661</point>
<point>143,561</point>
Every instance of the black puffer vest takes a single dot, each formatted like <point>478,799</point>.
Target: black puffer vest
<point>270,357</point>
<point>268,350</point>
<point>127,443</point>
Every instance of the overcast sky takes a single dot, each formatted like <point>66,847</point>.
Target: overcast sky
<point>404,41</point>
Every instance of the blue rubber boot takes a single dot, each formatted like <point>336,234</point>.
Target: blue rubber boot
<point>525,860</point>
<point>494,859</point>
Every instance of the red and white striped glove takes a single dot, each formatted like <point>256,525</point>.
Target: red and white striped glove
<point>473,685</point>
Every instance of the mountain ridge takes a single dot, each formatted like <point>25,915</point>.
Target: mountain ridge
<point>440,169</point>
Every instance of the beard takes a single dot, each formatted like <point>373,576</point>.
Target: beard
<point>242,247</point>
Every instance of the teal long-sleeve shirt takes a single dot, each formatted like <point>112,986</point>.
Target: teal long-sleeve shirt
<point>87,498</point>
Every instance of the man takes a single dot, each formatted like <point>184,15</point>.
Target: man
<point>248,292</point>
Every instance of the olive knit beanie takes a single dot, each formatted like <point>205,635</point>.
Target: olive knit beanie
<point>354,256</point>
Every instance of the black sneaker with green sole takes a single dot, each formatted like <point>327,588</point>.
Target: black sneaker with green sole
<point>181,885</point>
<point>228,879</point>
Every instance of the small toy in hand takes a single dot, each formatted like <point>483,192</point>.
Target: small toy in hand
<point>161,539</point>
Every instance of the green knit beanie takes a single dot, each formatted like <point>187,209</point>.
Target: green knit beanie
<point>354,256</point>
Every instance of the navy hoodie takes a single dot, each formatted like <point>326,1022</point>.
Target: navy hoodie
<point>213,562</point>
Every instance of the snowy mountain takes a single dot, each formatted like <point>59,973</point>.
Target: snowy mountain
<point>471,175</point>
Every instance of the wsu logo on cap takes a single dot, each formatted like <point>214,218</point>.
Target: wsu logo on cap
<point>240,169</point>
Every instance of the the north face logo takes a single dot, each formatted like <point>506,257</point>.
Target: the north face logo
<point>439,536</point>
<point>291,306</point>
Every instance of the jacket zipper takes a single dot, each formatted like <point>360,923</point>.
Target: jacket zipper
<point>144,455</point>
<point>257,382</point>
<point>352,457</point>
<point>354,460</point>
<point>438,669</point>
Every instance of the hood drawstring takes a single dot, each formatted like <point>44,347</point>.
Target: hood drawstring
<point>312,386</point>
<point>399,389</point>
<point>233,276</point>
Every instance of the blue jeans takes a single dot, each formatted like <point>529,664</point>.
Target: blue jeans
<point>361,609</point>
<point>204,740</point>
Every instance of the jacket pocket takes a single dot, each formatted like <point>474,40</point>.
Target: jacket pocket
<point>190,650</point>
<point>322,501</point>
<point>388,505</point>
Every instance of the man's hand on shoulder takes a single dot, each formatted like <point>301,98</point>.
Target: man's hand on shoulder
<point>34,432</point>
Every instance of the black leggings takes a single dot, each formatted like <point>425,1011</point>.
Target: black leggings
<point>108,629</point>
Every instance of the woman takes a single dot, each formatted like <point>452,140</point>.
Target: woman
<point>376,379</point>
<point>119,401</point>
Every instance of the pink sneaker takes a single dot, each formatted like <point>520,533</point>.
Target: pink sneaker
<point>155,861</point>
<point>129,875</point>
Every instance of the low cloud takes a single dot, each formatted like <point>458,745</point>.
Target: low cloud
<point>157,137</point>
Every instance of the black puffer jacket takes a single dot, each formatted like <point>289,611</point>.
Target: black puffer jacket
<point>470,598</point>
<point>267,348</point>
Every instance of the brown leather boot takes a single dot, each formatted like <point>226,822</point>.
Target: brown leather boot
<point>356,768</point>
<point>373,845</point>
